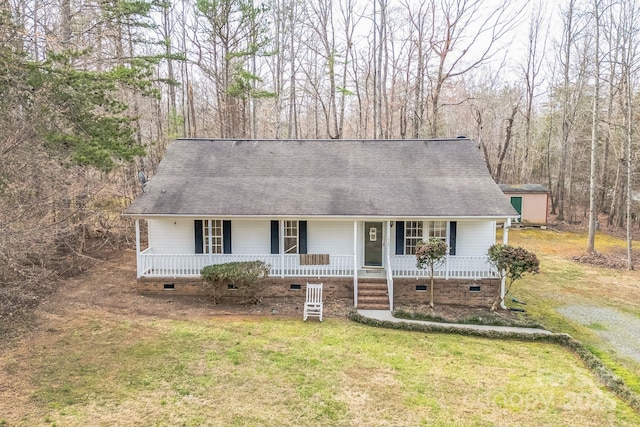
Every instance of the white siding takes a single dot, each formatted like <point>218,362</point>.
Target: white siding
<point>172,236</point>
<point>473,238</point>
<point>330,237</point>
<point>176,236</point>
<point>251,237</point>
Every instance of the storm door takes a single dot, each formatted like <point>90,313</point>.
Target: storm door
<point>373,244</point>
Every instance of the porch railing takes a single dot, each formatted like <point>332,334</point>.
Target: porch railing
<point>458,267</point>
<point>152,264</point>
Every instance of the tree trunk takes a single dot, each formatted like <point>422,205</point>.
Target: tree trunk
<point>593,214</point>
<point>567,40</point>
<point>507,141</point>
<point>65,24</point>
<point>431,287</point>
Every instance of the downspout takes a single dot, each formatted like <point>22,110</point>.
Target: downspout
<point>389,270</point>
<point>355,263</point>
<point>138,266</point>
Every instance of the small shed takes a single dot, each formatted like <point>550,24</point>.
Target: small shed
<point>530,200</point>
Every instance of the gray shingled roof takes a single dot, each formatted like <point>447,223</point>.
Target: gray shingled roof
<point>387,178</point>
<point>523,188</point>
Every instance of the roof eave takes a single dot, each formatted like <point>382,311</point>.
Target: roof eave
<point>332,217</point>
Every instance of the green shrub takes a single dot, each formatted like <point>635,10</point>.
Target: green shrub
<point>243,276</point>
<point>512,264</point>
<point>430,254</point>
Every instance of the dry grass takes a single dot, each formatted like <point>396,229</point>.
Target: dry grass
<point>103,370</point>
<point>562,282</point>
<point>130,361</point>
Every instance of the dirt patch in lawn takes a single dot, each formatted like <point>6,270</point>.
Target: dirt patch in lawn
<point>110,287</point>
<point>617,259</point>
<point>464,314</point>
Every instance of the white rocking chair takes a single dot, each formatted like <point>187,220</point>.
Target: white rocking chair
<point>313,303</point>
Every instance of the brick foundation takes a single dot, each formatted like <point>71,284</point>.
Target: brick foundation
<point>472,293</point>
<point>273,287</point>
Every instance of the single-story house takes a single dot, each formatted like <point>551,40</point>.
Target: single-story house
<point>531,201</point>
<point>347,213</point>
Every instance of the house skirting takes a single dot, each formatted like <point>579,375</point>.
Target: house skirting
<point>273,287</point>
<point>473,293</point>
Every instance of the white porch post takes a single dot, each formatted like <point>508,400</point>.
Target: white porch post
<point>505,240</point>
<point>505,232</point>
<point>137,222</point>
<point>389,269</point>
<point>137,236</point>
<point>355,263</point>
<point>446,255</point>
<point>281,246</point>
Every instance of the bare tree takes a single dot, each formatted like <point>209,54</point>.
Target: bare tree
<point>573,60</point>
<point>504,148</point>
<point>418,18</point>
<point>594,133</point>
<point>464,35</point>
<point>629,65</point>
<point>536,45</point>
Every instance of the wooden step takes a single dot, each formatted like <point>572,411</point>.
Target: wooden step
<point>382,286</point>
<point>373,295</point>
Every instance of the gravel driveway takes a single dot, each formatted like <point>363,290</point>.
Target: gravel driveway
<point>620,330</point>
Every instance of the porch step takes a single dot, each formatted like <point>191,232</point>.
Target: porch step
<point>372,274</point>
<point>373,295</point>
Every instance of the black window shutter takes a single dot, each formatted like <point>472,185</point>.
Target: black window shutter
<point>226,237</point>
<point>302,236</point>
<point>453,227</point>
<point>199,241</point>
<point>275,237</point>
<point>399,237</point>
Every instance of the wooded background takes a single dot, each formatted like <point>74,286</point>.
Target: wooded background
<point>91,91</point>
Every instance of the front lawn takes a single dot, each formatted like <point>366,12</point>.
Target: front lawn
<point>99,370</point>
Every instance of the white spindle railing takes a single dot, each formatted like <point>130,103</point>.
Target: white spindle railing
<point>180,265</point>
<point>458,267</point>
<point>151,264</point>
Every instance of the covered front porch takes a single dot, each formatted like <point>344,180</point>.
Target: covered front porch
<point>316,249</point>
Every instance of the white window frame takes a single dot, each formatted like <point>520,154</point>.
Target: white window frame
<point>413,233</point>
<point>437,230</point>
<point>213,239</point>
<point>291,237</point>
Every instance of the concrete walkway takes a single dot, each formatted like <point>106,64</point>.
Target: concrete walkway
<point>385,315</point>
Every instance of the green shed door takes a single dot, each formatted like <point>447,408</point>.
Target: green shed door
<point>516,202</point>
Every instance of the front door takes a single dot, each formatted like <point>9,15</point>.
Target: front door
<point>373,244</point>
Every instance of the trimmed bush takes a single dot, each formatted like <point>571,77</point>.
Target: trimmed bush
<point>243,276</point>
